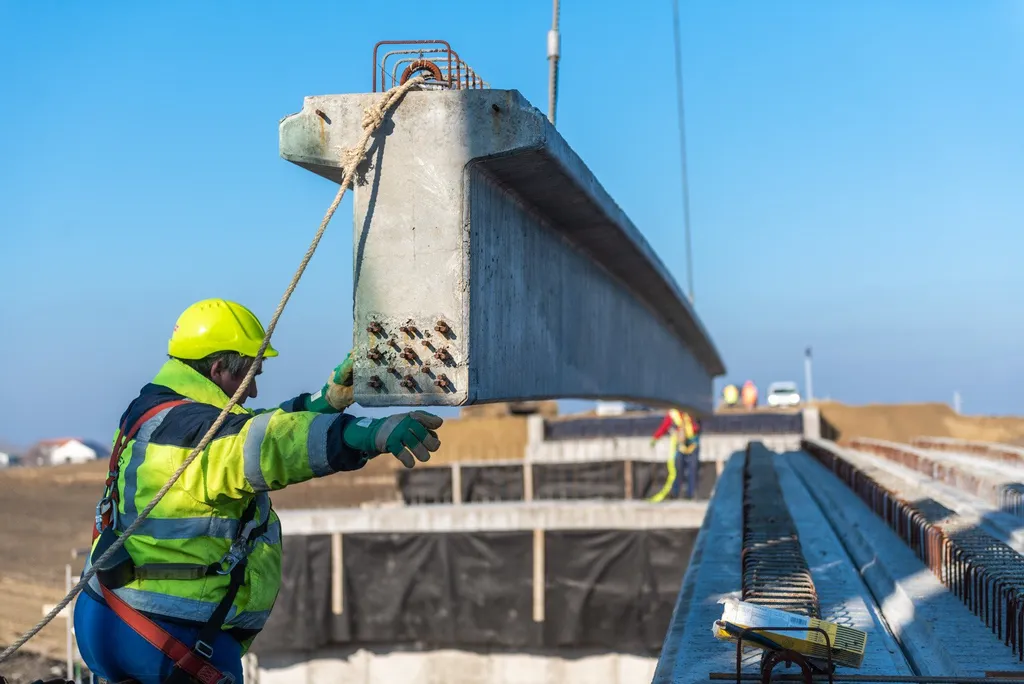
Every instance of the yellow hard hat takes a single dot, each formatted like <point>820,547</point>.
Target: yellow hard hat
<point>216,325</point>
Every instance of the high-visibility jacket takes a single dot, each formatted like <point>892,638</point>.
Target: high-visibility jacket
<point>749,394</point>
<point>253,453</point>
<point>685,428</point>
<point>684,440</point>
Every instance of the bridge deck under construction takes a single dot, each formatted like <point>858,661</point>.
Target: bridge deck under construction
<point>845,535</point>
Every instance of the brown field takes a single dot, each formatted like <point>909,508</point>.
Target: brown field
<point>903,422</point>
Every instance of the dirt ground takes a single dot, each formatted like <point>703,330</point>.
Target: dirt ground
<point>25,667</point>
<point>903,422</point>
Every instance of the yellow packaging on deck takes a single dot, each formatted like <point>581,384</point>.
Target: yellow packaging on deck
<point>848,644</point>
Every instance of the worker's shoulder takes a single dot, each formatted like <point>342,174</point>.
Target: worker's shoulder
<point>185,424</point>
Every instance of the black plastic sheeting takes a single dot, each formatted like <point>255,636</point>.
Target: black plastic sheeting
<point>649,478</point>
<point>585,480</point>
<point>299,621</point>
<point>612,589</point>
<point>491,483</point>
<point>551,481</point>
<point>425,485</point>
<point>608,589</point>
<point>453,588</point>
<point>645,425</point>
<point>754,424</point>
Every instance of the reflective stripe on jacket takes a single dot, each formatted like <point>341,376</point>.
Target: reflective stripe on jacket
<point>683,423</point>
<point>253,453</point>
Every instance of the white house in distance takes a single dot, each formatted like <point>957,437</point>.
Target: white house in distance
<point>64,450</point>
<point>73,451</point>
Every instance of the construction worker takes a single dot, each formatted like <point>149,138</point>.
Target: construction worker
<point>196,582</point>
<point>749,394</point>
<point>683,459</point>
<point>730,395</point>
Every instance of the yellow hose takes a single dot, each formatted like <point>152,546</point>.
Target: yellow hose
<point>672,473</point>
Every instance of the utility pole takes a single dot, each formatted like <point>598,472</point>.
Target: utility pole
<point>808,387</point>
<point>553,54</point>
<point>682,145</point>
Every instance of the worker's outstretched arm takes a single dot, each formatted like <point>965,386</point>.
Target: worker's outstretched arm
<point>662,429</point>
<point>334,397</point>
<point>274,449</point>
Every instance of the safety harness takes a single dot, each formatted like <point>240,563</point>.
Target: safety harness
<point>191,664</point>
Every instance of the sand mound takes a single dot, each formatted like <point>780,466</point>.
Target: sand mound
<point>903,422</point>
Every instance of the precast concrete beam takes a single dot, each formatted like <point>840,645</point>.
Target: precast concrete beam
<point>491,265</point>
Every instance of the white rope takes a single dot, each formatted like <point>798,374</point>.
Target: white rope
<point>373,117</point>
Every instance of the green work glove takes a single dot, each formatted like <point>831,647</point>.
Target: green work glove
<point>398,435</point>
<point>336,394</point>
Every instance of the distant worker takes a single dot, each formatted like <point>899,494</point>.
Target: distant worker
<point>730,395</point>
<point>684,456</point>
<point>749,393</point>
<point>191,588</point>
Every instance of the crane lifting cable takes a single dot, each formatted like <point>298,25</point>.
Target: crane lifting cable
<point>373,117</point>
<point>682,145</point>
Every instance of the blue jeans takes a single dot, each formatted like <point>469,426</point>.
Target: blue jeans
<point>113,650</point>
<point>686,466</point>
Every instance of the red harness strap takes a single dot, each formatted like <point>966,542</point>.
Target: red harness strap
<point>181,654</point>
<point>115,455</point>
<point>184,657</point>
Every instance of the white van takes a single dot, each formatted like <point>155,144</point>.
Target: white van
<point>783,394</point>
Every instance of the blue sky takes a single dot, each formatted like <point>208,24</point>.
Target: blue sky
<point>856,179</point>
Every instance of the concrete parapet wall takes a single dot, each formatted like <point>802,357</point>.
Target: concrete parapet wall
<point>561,515</point>
<point>608,449</point>
<point>719,448</point>
<point>450,666</point>
<point>481,233</point>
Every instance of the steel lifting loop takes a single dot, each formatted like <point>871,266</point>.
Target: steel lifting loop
<point>421,65</point>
